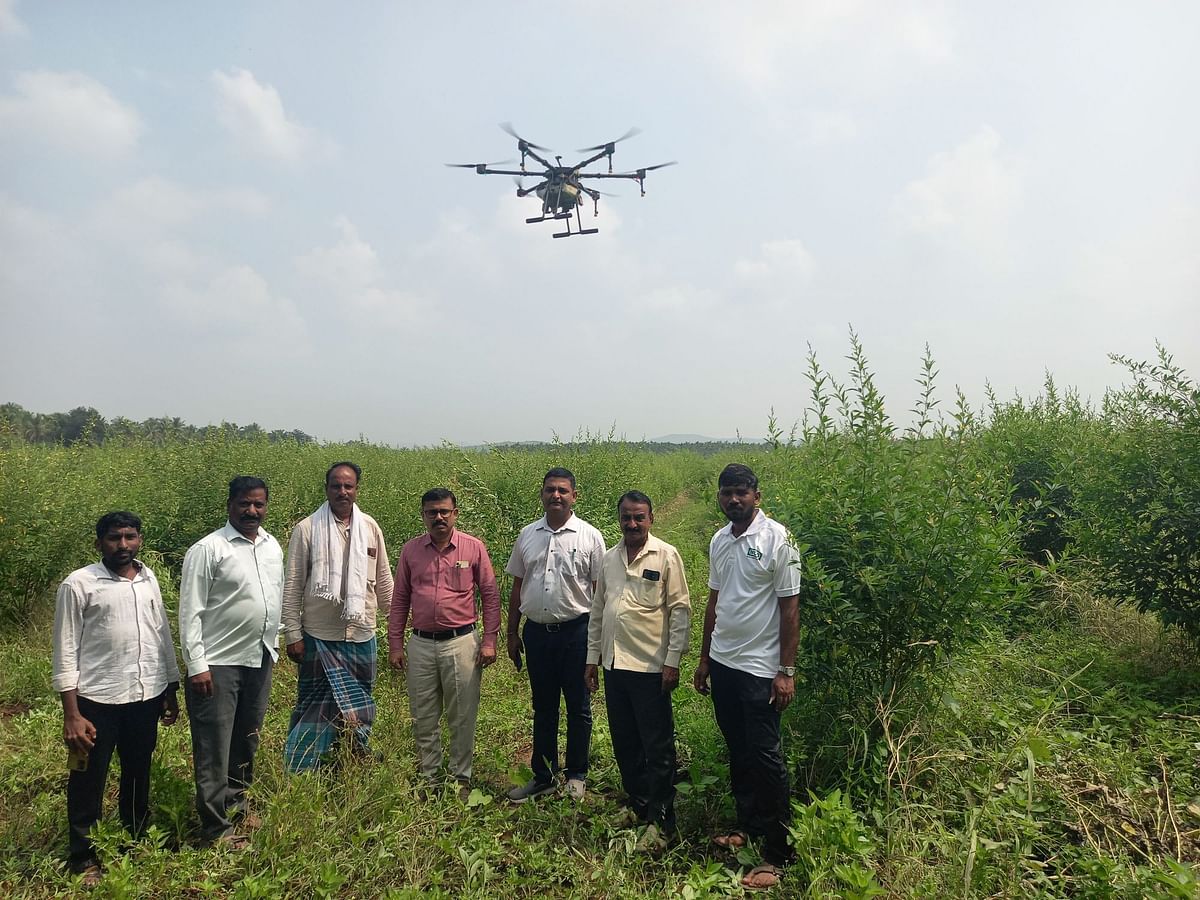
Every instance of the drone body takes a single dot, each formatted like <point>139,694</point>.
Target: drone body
<point>561,188</point>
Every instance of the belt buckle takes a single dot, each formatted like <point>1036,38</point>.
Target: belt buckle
<point>553,627</point>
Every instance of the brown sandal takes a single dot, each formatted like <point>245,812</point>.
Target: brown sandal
<point>774,875</point>
<point>733,841</point>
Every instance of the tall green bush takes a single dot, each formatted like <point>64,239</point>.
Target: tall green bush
<point>1138,491</point>
<point>903,537</point>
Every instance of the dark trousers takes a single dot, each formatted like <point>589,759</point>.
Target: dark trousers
<point>642,724</point>
<point>132,730</point>
<point>757,768</point>
<point>225,731</point>
<point>556,656</point>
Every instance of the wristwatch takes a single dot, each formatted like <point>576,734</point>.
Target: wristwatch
<point>789,671</point>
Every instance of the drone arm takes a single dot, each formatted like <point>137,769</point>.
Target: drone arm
<point>525,151</point>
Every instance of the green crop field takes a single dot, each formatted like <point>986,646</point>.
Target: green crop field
<point>1000,693</point>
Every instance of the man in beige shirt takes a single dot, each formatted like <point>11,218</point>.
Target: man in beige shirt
<point>337,568</point>
<point>638,632</point>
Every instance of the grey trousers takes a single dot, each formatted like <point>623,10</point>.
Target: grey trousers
<point>225,731</point>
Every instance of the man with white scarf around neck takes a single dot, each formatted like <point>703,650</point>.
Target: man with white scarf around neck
<point>337,568</point>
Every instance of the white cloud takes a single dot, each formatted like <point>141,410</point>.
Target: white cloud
<point>70,112</point>
<point>853,46</point>
<point>10,24</point>
<point>349,274</point>
<point>788,259</point>
<point>253,113</point>
<point>968,195</point>
<point>165,203</point>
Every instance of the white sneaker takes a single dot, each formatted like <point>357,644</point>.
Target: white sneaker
<point>576,788</point>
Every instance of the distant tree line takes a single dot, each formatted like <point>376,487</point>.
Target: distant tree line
<point>85,425</point>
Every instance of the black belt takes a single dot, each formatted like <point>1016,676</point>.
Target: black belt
<point>557,626</point>
<point>444,635</point>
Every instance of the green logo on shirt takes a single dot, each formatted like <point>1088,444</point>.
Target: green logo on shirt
<point>754,553</point>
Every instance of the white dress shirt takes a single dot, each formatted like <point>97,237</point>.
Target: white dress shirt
<point>557,569</point>
<point>112,639</point>
<point>230,596</point>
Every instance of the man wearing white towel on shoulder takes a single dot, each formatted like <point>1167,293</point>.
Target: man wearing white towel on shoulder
<point>337,568</point>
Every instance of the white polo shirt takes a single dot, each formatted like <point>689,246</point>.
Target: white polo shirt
<point>557,569</point>
<point>750,573</point>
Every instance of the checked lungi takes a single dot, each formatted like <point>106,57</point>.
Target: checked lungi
<point>336,678</point>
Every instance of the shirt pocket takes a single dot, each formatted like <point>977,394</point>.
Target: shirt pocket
<point>462,579</point>
<point>646,594</point>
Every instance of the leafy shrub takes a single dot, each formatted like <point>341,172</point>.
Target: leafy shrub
<point>903,540</point>
<point>1138,491</point>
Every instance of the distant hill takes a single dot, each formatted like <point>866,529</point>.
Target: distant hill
<point>699,439</point>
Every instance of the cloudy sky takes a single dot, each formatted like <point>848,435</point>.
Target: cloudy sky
<point>238,211</point>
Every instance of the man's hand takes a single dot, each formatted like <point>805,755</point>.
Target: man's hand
<point>514,648</point>
<point>700,679</point>
<point>486,656</point>
<point>79,734</point>
<point>591,677</point>
<point>783,689</point>
<point>396,658</point>
<point>202,684</point>
<point>295,651</point>
<point>670,679</point>
<point>170,706</point>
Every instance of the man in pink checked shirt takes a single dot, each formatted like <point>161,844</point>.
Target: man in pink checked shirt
<point>436,579</point>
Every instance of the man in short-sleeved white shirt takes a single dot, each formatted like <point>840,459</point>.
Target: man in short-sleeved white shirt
<point>554,566</point>
<point>751,628</point>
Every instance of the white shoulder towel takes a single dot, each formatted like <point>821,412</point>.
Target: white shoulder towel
<point>326,562</point>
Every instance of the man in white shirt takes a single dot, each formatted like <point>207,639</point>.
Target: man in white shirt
<point>638,632</point>
<point>554,566</point>
<point>751,629</point>
<point>229,608</point>
<point>114,667</point>
<point>337,570</point>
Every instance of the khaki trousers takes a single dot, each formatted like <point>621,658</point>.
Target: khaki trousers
<point>443,675</point>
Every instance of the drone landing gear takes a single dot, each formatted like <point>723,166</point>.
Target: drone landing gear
<point>580,231</point>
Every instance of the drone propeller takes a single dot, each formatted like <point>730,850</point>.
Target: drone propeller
<point>502,162</point>
<point>507,126</point>
<point>523,191</point>
<point>641,173</point>
<point>632,132</point>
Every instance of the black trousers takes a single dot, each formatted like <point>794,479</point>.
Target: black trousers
<point>132,730</point>
<point>556,656</point>
<point>642,724</point>
<point>757,769</point>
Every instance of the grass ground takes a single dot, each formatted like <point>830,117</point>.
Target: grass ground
<point>1059,759</point>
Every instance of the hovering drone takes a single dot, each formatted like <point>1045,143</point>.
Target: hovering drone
<point>561,189</point>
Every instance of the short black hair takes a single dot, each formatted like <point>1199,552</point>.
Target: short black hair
<point>433,495</point>
<point>118,518</point>
<point>560,472</point>
<point>242,484</point>
<point>737,475</point>
<point>345,463</point>
<point>634,497</point>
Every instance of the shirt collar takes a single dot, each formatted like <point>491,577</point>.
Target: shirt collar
<point>231,534</point>
<point>453,545</point>
<point>570,525</point>
<point>103,571</point>
<point>652,545</point>
<point>756,526</point>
